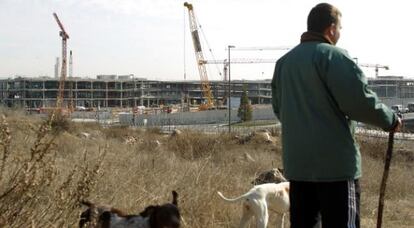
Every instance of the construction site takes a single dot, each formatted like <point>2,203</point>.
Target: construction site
<point>101,127</point>
<point>67,92</point>
<point>111,91</point>
<point>127,92</point>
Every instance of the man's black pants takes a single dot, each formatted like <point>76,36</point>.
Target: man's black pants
<point>336,202</point>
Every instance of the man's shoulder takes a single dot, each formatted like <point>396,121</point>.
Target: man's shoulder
<point>330,49</point>
<point>316,47</point>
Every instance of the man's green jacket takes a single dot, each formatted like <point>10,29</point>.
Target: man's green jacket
<point>318,95</point>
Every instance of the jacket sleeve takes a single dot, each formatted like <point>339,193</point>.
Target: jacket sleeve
<point>348,86</point>
<point>275,101</point>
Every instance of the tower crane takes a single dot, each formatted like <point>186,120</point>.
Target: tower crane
<point>70,64</point>
<point>205,84</point>
<point>65,37</point>
<point>71,106</point>
<point>262,48</point>
<point>225,63</point>
<point>376,66</point>
<point>246,60</point>
<point>237,61</point>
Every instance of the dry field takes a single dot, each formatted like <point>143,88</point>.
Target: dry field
<point>45,172</point>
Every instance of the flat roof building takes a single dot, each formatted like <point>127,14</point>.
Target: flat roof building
<point>393,90</point>
<point>122,91</point>
<point>128,91</point>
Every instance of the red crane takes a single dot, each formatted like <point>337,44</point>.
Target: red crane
<point>65,37</point>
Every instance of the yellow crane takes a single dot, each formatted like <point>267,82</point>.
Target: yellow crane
<point>205,84</point>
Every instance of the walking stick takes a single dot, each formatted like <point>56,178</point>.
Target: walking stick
<point>384,178</point>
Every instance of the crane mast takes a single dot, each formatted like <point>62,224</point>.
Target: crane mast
<point>71,106</point>
<point>62,80</point>
<point>70,64</point>
<point>199,56</point>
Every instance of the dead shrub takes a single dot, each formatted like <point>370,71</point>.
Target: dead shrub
<point>154,130</point>
<point>119,132</point>
<point>193,145</point>
<point>132,176</point>
<point>59,123</point>
<point>275,131</point>
<point>23,188</point>
<point>29,182</point>
<point>5,139</point>
<point>373,147</point>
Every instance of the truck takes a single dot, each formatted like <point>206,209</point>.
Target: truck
<point>398,108</point>
<point>410,107</point>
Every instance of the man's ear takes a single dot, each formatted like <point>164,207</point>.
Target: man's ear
<point>332,29</point>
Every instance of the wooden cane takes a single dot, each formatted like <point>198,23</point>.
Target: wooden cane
<point>384,178</point>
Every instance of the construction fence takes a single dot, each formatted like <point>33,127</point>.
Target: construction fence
<point>192,118</point>
<point>206,121</point>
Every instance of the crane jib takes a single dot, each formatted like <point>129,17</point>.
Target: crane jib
<point>196,41</point>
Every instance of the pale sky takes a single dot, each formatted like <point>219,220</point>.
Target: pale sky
<point>148,38</point>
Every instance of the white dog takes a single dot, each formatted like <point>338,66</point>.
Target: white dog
<point>261,197</point>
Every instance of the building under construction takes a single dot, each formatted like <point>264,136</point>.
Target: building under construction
<point>125,91</point>
<point>122,91</point>
<point>393,90</point>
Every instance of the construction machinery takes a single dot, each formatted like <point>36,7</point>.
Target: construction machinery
<point>262,48</point>
<point>65,37</point>
<point>205,84</point>
<point>201,62</point>
<point>57,64</point>
<point>71,105</point>
<point>70,64</point>
<point>225,63</point>
<point>376,66</point>
<point>248,60</point>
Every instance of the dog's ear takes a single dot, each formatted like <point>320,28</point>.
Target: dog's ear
<point>85,217</point>
<point>105,216</point>
<point>87,203</point>
<point>148,211</point>
<point>175,198</point>
<point>105,219</point>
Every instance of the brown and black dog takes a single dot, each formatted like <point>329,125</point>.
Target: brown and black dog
<point>154,216</point>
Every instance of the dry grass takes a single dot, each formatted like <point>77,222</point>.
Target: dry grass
<point>44,172</point>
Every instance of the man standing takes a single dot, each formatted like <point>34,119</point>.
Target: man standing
<point>318,95</point>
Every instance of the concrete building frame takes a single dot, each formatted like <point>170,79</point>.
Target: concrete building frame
<point>126,92</point>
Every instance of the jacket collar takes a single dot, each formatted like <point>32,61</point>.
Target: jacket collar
<point>315,36</point>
